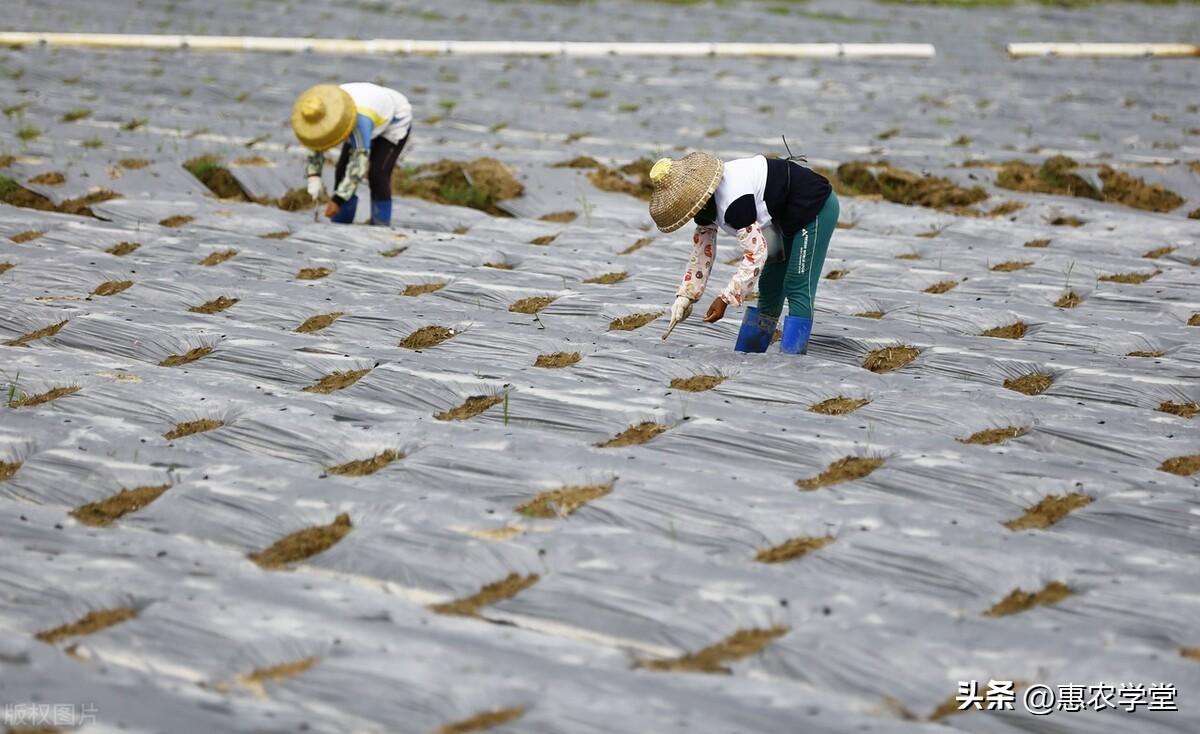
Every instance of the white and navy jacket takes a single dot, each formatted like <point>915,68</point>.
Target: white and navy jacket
<point>753,194</point>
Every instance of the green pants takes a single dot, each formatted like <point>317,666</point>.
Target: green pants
<point>800,272</point>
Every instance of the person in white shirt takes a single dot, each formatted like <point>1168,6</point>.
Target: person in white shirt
<point>751,199</point>
<point>372,124</point>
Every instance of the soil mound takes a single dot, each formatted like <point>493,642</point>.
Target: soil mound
<point>337,380</point>
<point>1183,410</point>
<point>30,401</point>
<point>1015,330</point>
<point>838,406</point>
<point>557,360</point>
<point>990,436</point>
<point>531,305</point>
<point>792,549</point>
<point>632,178</point>
<point>1058,175</point>
<point>106,511</point>
<point>122,249</point>
<point>420,289</point>
<point>846,469</point>
<point>216,305</point>
<point>714,658</point>
<point>1034,383</point>
<point>889,358</point>
<point>190,355</point>
<point>863,178</point>
<point>493,593</point>
<point>697,383</point>
<point>316,323</point>
<point>478,184</point>
<point>365,467</point>
<point>1019,601</point>
<point>303,544</point>
<point>216,177</point>
<point>42,333</point>
<point>470,408</point>
<point>1184,466</point>
<point>564,501</point>
<point>190,428</point>
<point>632,321</point>
<point>313,273</point>
<point>426,337</point>
<point>112,287</point>
<point>90,623</point>
<point>635,435</point>
<point>1049,510</point>
<point>608,278</point>
<point>217,257</point>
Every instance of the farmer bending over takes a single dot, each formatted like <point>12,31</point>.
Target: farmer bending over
<point>372,125</point>
<point>762,202</point>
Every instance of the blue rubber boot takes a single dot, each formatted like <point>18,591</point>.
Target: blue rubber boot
<point>381,213</point>
<point>796,331</point>
<point>756,332</point>
<point>345,215</point>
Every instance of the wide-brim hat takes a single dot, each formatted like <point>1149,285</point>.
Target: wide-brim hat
<point>323,116</point>
<point>682,188</point>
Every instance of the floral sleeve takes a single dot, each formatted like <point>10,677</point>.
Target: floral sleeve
<point>754,249</point>
<point>314,163</point>
<point>704,244</point>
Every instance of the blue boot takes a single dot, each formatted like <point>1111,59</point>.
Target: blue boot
<point>381,213</point>
<point>756,332</point>
<point>796,331</point>
<point>345,215</point>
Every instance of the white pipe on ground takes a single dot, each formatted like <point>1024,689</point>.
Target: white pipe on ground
<point>469,48</point>
<point>1103,50</point>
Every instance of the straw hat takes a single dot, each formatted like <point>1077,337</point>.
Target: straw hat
<point>323,116</point>
<point>682,188</point>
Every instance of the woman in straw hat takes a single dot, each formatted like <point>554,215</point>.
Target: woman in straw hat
<point>372,124</point>
<point>761,202</point>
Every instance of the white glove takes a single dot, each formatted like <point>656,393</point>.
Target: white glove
<point>315,189</point>
<point>681,309</point>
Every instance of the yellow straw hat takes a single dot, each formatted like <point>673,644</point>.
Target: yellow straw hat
<point>682,188</point>
<point>323,116</point>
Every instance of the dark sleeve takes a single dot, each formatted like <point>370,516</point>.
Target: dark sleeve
<point>742,212</point>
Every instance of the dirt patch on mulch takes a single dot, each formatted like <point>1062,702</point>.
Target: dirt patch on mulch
<point>426,337</point>
<point>190,428</point>
<point>1015,330</point>
<point>1066,221</point>
<point>836,274</point>
<point>1146,353</point>
<point>846,469</point>
<point>280,235</point>
<point>543,240</point>
<point>1070,299</point>
<point>316,323</point>
<point>294,200</point>
<point>5,267</point>
<point>493,593</point>
<point>303,544</point>
<point>889,358</point>
<point>112,287</point>
<point>583,161</point>
<point>560,217</point>
<point>1058,175</point>
<point>28,236</point>
<point>499,265</point>
<point>990,436</point>
<point>251,160</point>
<point>110,509</point>
<point>477,184</point>
<point>1034,383</point>
<point>8,469</point>
<point>15,194</point>
<point>714,658</point>
<point>36,334</point>
<point>1133,278</point>
<point>133,164</point>
<point>792,549</point>
<point>366,467</point>
<point>642,242</point>
<point>1037,243</point>
<point>217,257</point>
<point>942,286</point>
<point>1184,466</point>
<point>190,355</point>
<point>1010,266</point>
<point>557,360</point>
<point>1003,209</point>
<point>216,177</point>
<point>337,380</point>
<point>564,501</point>
<point>257,679</point>
<point>216,305</point>
<point>1194,320</point>
<point>420,289</point>
<point>531,305</point>
<point>1183,410</point>
<point>1048,511</point>
<point>608,278</point>
<point>633,321</point>
<point>177,220</point>
<point>394,252</point>
<point>482,721</point>
<point>697,383</point>
<point>88,624</point>
<point>1158,252</point>
<point>30,401</point>
<point>635,435</point>
<point>470,408</point>
<point>838,406</point>
<point>122,249</point>
<point>632,178</point>
<point>313,273</point>
<point>50,178</point>
<point>863,178</point>
<point>1019,601</point>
